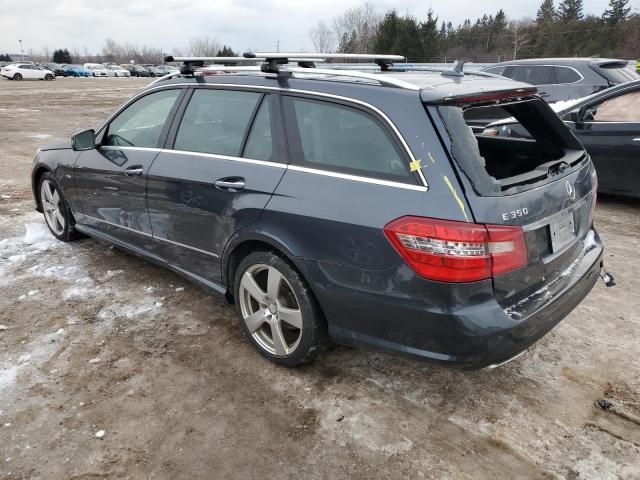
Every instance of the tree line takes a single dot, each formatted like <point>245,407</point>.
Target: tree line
<point>557,30</point>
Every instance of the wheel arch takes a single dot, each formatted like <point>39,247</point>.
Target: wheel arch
<point>38,171</point>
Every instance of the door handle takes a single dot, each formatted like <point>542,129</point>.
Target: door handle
<point>230,184</point>
<point>134,171</point>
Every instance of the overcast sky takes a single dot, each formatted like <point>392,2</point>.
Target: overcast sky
<point>243,24</point>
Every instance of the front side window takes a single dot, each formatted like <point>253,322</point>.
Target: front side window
<point>533,74</point>
<point>216,121</point>
<point>141,123</point>
<point>340,138</point>
<point>623,108</point>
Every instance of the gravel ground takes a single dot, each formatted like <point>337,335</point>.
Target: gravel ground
<point>111,367</point>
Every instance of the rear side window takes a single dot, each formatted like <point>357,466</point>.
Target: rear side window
<point>216,121</point>
<point>496,70</point>
<point>533,74</point>
<point>567,75</point>
<point>141,123</point>
<point>341,138</point>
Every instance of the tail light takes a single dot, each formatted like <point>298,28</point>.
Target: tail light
<point>451,251</point>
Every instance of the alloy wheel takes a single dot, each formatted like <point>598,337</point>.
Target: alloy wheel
<point>270,310</point>
<point>52,207</point>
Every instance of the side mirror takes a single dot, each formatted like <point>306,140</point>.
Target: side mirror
<point>574,116</point>
<point>84,140</point>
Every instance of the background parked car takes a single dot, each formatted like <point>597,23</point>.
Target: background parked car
<point>154,71</point>
<point>167,69</point>
<point>19,71</point>
<point>117,71</point>
<point>97,70</point>
<point>136,70</point>
<point>56,68</point>
<point>77,71</point>
<point>560,79</point>
<point>608,125</point>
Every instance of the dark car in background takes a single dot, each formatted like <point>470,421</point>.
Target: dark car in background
<point>608,125</point>
<point>136,70</point>
<point>59,70</point>
<point>154,71</point>
<point>561,79</point>
<point>344,205</point>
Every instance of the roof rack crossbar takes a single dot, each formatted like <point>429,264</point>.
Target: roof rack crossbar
<point>326,56</point>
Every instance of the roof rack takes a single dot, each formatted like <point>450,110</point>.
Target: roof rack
<point>278,63</point>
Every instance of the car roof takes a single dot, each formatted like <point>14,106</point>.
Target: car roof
<point>431,85</point>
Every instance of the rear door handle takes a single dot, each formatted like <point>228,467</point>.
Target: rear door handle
<point>134,171</point>
<point>230,184</point>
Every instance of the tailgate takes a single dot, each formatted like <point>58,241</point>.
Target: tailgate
<point>546,184</point>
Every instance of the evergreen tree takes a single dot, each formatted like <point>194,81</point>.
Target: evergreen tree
<point>546,13</point>
<point>617,12</point>
<point>570,11</point>
<point>226,52</point>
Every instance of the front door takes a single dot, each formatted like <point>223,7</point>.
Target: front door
<point>111,179</point>
<point>610,132</point>
<point>226,161</point>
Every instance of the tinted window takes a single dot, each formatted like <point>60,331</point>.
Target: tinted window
<point>495,70</point>
<point>617,72</point>
<point>338,137</point>
<point>141,123</point>
<point>216,121</point>
<point>567,75</point>
<point>533,74</point>
<point>260,144</point>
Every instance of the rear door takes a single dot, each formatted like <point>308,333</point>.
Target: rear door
<point>610,132</point>
<point>224,159</point>
<point>111,179</point>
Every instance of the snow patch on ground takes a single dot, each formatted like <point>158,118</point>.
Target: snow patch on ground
<point>39,136</point>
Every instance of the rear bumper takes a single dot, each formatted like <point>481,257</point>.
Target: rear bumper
<point>458,325</point>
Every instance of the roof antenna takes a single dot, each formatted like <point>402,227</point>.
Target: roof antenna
<point>456,71</point>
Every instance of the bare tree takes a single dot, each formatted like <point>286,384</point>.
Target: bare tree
<point>46,53</point>
<point>519,35</point>
<point>203,47</point>
<point>322,37</point>
<point>356,28</point>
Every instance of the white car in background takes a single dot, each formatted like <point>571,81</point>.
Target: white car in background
<point>97,69</point>
<point>19,71</point>
<point>117,71</point>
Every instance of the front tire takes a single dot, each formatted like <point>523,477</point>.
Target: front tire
<point>17,76</point>
<point>48,76</point>
<point>55,208</point>
<point>277,310</point>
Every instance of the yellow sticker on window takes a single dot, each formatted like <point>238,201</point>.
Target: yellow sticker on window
<point>415,165</point>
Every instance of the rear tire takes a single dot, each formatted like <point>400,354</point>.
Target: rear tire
<point>55,208</point>
<point>277,310</point>
<point>17,76</point>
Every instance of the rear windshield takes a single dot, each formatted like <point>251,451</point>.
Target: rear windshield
<point>616,72</point>
<point>497,164</point>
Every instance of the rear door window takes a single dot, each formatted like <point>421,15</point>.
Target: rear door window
<point>533,74</point>
<point>141,123</point>
<point>259,144</point>
<point>567,75</point>
<point>342,138</point>
<point>216,121</point>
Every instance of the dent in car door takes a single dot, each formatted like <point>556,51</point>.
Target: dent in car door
<point>111,179</point>
<point>203,191</point>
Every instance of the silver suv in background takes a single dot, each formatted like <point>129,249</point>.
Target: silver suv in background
<point>561,79</point>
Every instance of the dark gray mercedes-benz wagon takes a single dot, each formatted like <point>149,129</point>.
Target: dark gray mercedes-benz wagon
<point>331,205</point>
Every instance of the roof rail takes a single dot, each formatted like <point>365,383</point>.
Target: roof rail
<point>382,79</point>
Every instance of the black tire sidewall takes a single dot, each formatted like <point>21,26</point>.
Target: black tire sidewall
<point>17,76</point>
<point>69,233</point>
<point>313,324</point>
